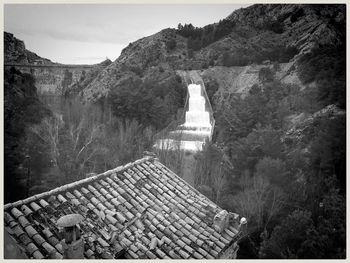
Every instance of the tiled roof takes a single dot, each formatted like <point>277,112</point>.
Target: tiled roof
<point>142,207</point>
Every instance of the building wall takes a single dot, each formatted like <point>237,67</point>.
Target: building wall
<point>11,249</point>
<point>230,252</point>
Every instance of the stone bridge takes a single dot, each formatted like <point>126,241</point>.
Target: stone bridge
<point>44,66</point>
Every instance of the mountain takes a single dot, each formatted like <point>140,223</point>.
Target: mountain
<point>147,58</point>
<point>276,78</point>
<point>276,33</point>
<point>16,52</point>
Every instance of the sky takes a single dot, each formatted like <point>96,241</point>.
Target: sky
<point>90,33</point>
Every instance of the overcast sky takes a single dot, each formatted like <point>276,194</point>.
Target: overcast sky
<point>86,34</point>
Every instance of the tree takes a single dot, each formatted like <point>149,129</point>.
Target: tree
<point>266,75</point>
<point>171,44</point>
<point>273,169</point>
<point>301,236</point>
<point>147,101</point>
<point>72,140</point>
<point>289,240</point>
<point>261,197</point>
<point>261,142</point>
<point>22,109</point>
<point>211,170</point>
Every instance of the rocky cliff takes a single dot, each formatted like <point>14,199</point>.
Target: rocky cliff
<point>16,52</point>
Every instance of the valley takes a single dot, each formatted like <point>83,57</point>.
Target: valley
<point>250,111</point>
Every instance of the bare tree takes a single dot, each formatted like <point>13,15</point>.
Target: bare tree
<point>48,132</point>
<point>259,201</point>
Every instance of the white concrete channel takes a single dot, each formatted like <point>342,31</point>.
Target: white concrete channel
<point>197,128</point>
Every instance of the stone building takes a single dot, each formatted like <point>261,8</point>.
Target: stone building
<point>138,211</point>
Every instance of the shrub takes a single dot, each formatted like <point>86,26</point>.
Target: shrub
<point>266,75</point>
<point>326,66</point>
<point>170,44</point>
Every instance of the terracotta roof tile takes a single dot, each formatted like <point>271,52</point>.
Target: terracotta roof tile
<point>185,231</point>
<point>158,233</point>
<point>152,228</point>
<point>39,240</point>
<point>161,254</point>
<point>166,240</point>
<point>34,251</point>
<point>16,213</point>
<point>224,238</point>
<point>30,231</point>
<point>146,241</point>
<point>193,238</point>
<point>172,228</point>
<point>22,220</point>
<point>26,210</point>
<point>186,240</point>
<point>35,206</point>
<point>17,230</point>
<point>174,255</point>
<point>25,239</point>
<point>143,200</point>
<point>89,254</point>
<point>111,219</point>
<point>208,256</point>
<point>47,233</point>
<point>181,243</point>
<point>151,255</point>
<point>183,254</point>
<point>166,222</point>
<point>58,246</point>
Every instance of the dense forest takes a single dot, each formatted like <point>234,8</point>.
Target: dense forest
<point>22,108</point>
<point>198,38</point>
<point>291,185</point>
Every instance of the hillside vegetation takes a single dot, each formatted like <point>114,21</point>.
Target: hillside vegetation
<point>22,109</point>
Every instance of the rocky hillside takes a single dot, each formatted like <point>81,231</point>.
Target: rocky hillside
<point>16,52</point>
<point>263,31</point>
<point>148,58</point>
<point>86,77</point>
<point>237,45</point>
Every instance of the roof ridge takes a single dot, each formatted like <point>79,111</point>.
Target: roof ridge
<point>76,183</point>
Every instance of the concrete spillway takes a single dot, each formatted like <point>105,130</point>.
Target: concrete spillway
<point>196,116</point>
<point>190,135</point>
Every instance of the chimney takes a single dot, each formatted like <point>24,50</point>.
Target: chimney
<point>72,242</point>
<point>243,225</point>
<point>221,221</point>
<point>149,154</point>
